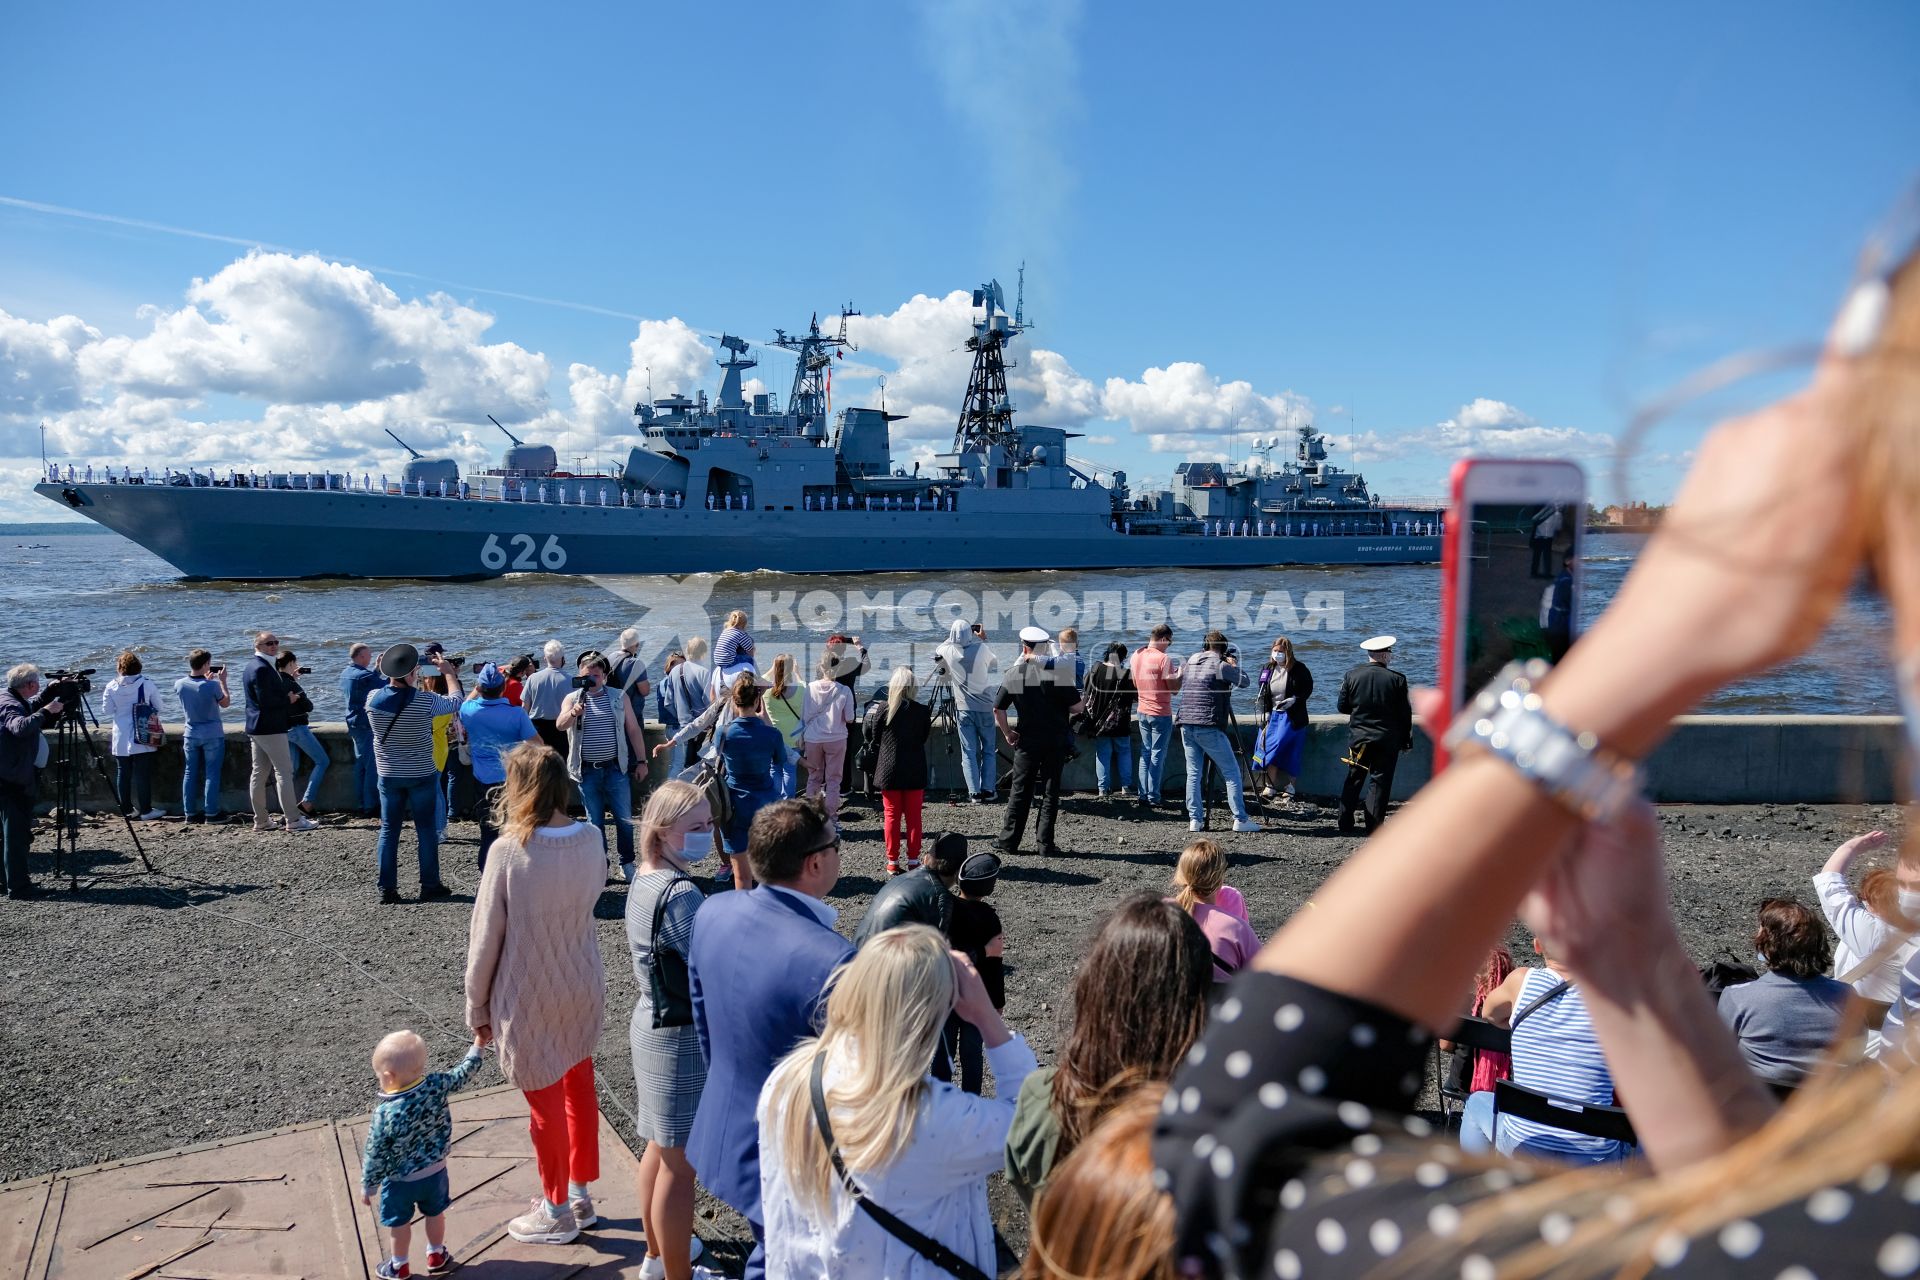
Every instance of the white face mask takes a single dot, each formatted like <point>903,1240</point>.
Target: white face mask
<point>696,846</point>
<point>1276,655</point>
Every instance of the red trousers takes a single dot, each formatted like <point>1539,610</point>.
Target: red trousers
<point>897,808</point>
<point>565,1119</point>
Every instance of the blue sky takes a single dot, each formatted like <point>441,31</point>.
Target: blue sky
<point>1428,228</point>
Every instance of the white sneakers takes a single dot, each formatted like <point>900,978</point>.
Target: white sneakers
<point>583,1211</point>
<point>153,815</point>
<point>303,824</point>
<point>541,1225</point>
<point>654,1267</point>
<point>1247,824</point>
<point>1196,825</point>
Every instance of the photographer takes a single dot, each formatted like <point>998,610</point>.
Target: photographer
<point>605,753</point>
<point>23,715</point>
<point>300,731</point>
<point>202,693</point>
<point>403,718</point>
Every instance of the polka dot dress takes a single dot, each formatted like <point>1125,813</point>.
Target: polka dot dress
<point>1286,1144</point>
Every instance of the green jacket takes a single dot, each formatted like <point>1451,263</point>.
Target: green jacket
<point>1033,1143</point>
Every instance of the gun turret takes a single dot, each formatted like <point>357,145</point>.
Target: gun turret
<point>412,452</point>
<point>503,431</point>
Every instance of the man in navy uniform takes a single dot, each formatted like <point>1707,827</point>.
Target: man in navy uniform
<point>1379,727</point>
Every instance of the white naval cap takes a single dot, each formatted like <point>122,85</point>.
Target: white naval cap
<point>1034,635</point>
<point>1376,644</point>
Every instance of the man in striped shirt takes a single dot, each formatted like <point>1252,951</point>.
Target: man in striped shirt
<point>402,717</point>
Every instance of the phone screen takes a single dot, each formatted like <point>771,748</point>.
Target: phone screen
<point>1521,600</point>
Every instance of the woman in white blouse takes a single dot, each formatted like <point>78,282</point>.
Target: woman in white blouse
<point>133,755</point>
<point>918,1149</point>
<point>1869,925</point>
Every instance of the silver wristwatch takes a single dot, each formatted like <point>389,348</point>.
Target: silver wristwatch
<point>1507,721</point>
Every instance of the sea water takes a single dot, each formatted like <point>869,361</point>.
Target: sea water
<point>78,601</point>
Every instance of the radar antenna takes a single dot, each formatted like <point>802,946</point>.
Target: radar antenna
<point>815,352</point>
<point>986,416</point>
<point>404,445</point>
<point>496,422</point>
<point>737,360</point>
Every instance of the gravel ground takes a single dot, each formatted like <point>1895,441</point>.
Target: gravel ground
<point>243,987</point>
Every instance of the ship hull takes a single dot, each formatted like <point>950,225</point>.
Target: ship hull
<point>273,535</point>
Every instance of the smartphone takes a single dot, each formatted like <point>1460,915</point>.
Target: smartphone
<point>1510,579</point>
<point>216,670</point>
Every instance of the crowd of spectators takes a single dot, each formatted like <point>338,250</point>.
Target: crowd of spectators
<point>1219,1106</point>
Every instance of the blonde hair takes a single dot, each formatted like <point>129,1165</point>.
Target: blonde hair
<point>537,787</point>
<point>1201,871</point>
<point>1100,1214</point>
<point>696,649</point>
<point>884,1010</point>
<point>738,618</point>
<point>901,690</point>
<point>671,801</point>
<point>780,676</point>
<point>402,1055</point>
<point>1285,646</point>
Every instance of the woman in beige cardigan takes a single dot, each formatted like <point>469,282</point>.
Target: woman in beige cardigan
<point>535,986</point>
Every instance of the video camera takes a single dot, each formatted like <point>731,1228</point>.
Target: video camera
<point>66,688</point>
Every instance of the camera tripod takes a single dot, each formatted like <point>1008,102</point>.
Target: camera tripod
<point>74,732</point>
<point>940,709</point>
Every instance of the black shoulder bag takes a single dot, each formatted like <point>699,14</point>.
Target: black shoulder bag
<point>402,702</point>
<point>668,989</point>
<point>927,1247</point>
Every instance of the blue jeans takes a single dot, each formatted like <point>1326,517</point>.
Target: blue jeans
<point>1155,733</point>
<point>1113,763</point>
<point>200,790</point>
<point>301,739</point>
<point>1203,742</point>
<point>366,775</point>
<point>604,789</point>
<point>979,751</point>
<point>1476,1123</point>
<point>400,799</point>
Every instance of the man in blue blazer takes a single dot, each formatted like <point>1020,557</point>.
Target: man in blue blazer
<point>758,971</point>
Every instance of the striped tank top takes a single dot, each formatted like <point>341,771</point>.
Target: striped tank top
<point>597,742</point>
<point>1555,1052</point>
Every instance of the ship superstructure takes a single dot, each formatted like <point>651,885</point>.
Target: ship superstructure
<point>742,482</point>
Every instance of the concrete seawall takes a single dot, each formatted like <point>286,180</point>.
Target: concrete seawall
<point>1707,760</point>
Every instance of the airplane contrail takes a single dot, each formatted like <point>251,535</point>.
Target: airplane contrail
<point>142,224</point>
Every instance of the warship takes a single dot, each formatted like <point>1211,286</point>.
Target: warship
<point>743,483</point>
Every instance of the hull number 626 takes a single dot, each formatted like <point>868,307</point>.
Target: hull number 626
<point>552,557</point>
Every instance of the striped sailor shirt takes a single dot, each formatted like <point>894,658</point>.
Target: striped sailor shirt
<point>402,721</point>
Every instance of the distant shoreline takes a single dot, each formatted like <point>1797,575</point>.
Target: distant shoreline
<point>56,529</point>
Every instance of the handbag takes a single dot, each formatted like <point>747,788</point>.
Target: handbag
<point>868,761</point>
<point>710,775</point>
<point>668,989</point>
<point>148,731</point>
<point>926,1246</point>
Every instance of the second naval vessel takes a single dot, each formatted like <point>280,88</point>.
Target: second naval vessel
<point>743,482</point>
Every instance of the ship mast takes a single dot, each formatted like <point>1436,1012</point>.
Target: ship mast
<point>814,352</point>
<point>986,417</point>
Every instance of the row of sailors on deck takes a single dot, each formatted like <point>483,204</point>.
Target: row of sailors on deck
<point>1303,529</point>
